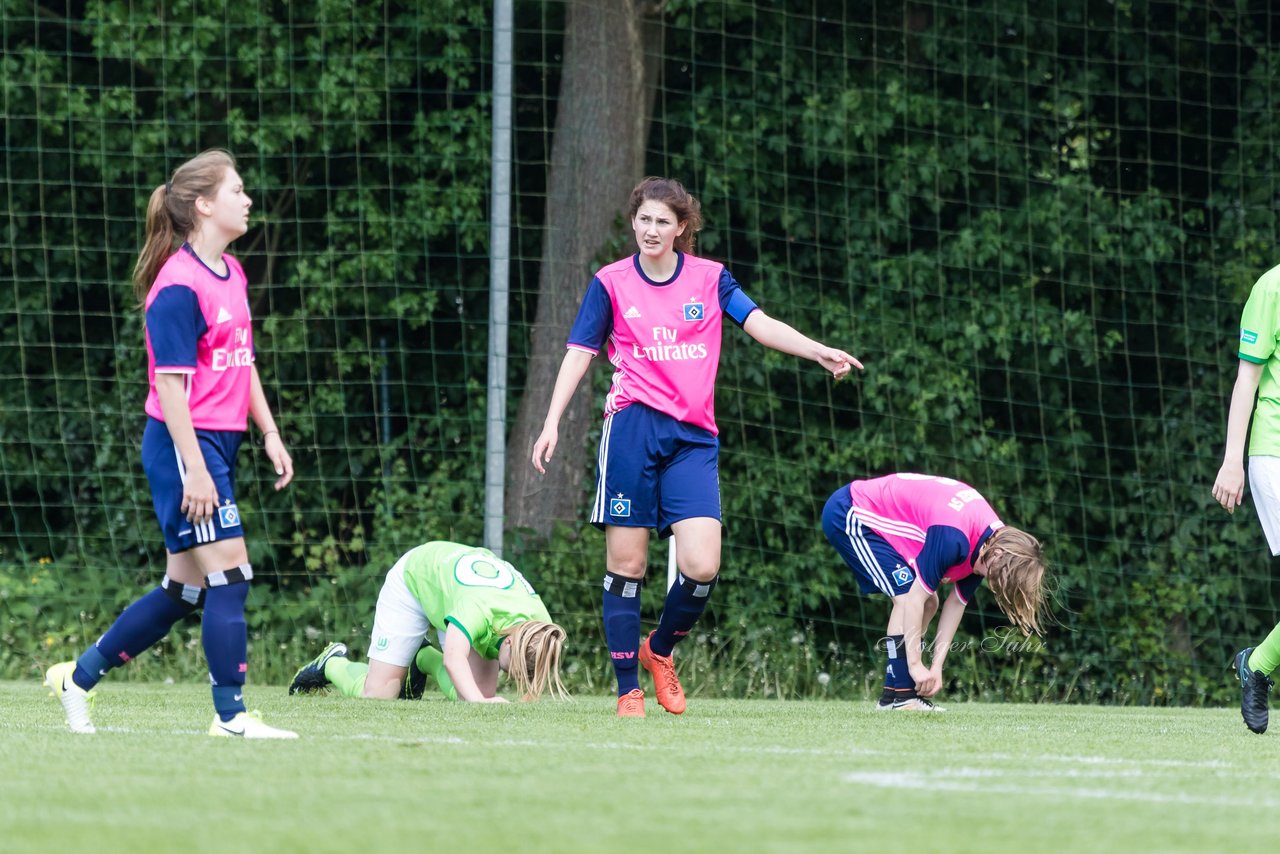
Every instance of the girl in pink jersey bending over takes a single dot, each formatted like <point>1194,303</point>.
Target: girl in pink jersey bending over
<point>203,388</point>
<point>906,535</point>
<point>658,315</point>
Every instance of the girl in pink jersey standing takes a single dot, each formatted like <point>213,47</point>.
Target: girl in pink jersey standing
<point>906,535</point>
<point>203,388</point>
<point>658,314</point>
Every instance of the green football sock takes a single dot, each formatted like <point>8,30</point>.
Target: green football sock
<point>1266,655</point>
<point>431,660</point>
<point>347,676</point>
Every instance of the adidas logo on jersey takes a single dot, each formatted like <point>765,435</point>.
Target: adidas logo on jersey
<point>632,313</point>
<point>224,315</point>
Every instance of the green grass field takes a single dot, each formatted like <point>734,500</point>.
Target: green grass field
<point>727,776</point>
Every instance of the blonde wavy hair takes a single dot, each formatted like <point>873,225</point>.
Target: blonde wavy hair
<point>537,649</point>
<point>1016,573</point>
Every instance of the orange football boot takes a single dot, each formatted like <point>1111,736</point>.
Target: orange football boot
<point>665,682</point>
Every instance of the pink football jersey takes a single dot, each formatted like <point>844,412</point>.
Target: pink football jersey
<point>201,329</point>
<point>903,507</point>
<point>665,342</point>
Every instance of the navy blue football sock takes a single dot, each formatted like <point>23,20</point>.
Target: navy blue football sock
<point>226,638</point>
<point>137,628</point>
<point>622,628</point>
<point>686,600</point>
<point>91,666</point>
<point>897,676</point>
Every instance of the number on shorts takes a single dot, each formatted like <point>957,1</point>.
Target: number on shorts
<point>483,571</point>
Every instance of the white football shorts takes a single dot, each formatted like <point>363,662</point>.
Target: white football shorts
<point>1264,483</point>
<point>399,624</point>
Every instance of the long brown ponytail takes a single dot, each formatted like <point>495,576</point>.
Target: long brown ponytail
<point>171,213</point>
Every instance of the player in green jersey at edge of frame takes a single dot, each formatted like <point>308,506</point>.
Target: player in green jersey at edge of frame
<point>487,617</point>
<point>1258,377</point>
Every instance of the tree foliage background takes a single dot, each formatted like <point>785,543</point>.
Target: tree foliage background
<point>1035,226</point>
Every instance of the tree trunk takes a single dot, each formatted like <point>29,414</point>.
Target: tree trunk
<point>602,123</point>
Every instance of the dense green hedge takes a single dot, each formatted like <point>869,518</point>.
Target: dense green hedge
<point>1036,231</point>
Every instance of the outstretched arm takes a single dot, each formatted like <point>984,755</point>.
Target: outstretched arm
<point>776,335</point>
<point>1228,489</point>
<point>457,661</point>
<point>572,370</point>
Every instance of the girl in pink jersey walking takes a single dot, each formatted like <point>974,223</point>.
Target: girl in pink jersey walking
<point>906,535</point>
<point>659,313</point>
<point>203,387</point>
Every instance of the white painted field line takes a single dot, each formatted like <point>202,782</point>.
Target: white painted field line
<point>934,782</point>
<point>1109,760</point>
<point>1094,766</point>
<point>951,777</point>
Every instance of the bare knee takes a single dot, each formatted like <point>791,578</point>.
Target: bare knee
<point>383,681</point>
<point>697,545</point>
<point>700,569</point>
<point>380,690</point>
<point>626,551</point>
<point>627,567</point>
<point>220,555</point>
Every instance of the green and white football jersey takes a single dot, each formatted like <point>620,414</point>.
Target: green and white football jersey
<point>472,588</point>
<point>1259,336</point>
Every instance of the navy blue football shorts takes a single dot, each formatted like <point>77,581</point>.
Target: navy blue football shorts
<point>654,471</point>
<point>166,474</point>
<point>876,565</point>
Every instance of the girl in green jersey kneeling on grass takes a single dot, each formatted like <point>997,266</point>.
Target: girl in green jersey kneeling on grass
<point>487,618</point>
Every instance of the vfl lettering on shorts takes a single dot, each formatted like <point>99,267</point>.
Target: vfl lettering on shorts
<point>228,516</point>
<point>693,311</point>
<point>620,508</point>
<point>1248,336</point>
